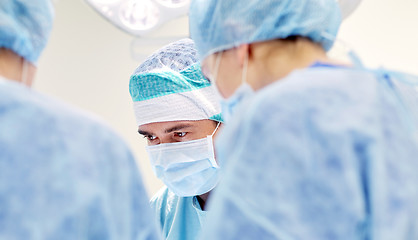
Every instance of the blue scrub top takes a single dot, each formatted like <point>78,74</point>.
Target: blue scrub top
<point>181,218</point>
<point>323,154</point>
<point>65,175</point>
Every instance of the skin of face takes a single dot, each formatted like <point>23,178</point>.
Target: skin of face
<point>179,131</point>
<point>229,74</point>
<point>11,67</point>
<point>176,131</point>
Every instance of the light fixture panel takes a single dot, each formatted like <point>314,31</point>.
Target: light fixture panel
<point>348,7</point>
<point>140,17</point>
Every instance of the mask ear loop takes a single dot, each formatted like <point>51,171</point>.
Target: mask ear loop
<point>211,147</point>
<point>216,129</point>
<point>245,69</point>
<point>25,74</point>
<point>217,64</point>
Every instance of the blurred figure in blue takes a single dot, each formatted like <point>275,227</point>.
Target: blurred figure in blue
<point>313,148</point>
<point>63,173</point>
<point>178,112</point>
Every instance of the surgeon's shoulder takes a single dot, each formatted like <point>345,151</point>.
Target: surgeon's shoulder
<point>322,89</point>
<point>159,197</point>
<point>68,125</point>
<point>47,108</point>
<point>163,200</point>
<point>300,81</point>
<point>164,204</point>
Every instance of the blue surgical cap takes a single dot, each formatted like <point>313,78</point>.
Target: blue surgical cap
<point>25,26</point>
<point>220,25</point>
<point>170,86</point>
<point>175,56</point>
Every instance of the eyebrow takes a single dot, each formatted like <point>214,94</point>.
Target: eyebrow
<point>144,133</point>
<point>178,127</point>
<point>175,128</point>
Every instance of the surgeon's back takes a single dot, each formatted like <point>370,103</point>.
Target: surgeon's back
<point>64,175</point>
<point>327,153</point>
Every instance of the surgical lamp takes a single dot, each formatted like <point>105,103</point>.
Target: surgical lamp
<point>140,17</point>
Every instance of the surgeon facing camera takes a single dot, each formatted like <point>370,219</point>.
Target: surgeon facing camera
<point>177,111</point>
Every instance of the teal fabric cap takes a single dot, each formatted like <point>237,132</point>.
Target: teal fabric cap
<point>165,82</point>
<point>170,86</point>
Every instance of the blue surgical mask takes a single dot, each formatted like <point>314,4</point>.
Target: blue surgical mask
<point>243,93</point>
<point>186,168</point>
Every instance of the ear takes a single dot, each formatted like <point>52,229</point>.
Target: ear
<point>242,52</point>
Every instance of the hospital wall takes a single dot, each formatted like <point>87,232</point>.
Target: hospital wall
<point>88,61</point>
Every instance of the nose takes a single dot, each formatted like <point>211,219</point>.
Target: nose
<point>164,139</point>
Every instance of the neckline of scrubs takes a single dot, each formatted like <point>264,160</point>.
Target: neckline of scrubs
<point>196,204</point>
<point>200,213</point>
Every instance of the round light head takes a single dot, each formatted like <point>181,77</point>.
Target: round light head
<point>173,3</point>
<point>107,1</point>
<point>348,7</point>
<point>139,14</point>
<point>139,17</point>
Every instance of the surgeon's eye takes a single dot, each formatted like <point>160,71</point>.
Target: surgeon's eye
<point>150,137</point>
<point>180,134</point>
